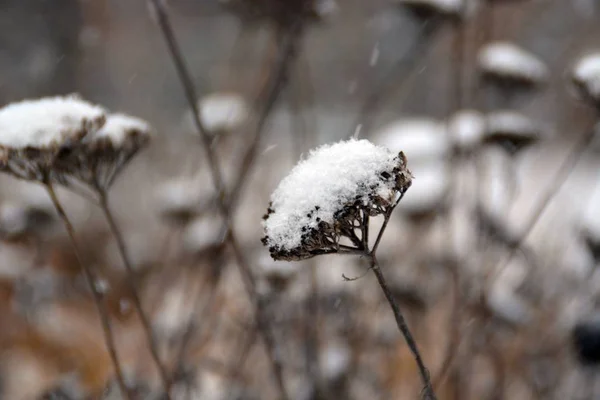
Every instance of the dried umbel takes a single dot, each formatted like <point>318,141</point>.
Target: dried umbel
<point>36,134</point>
<point>102,155</point>
<point>330,196</point>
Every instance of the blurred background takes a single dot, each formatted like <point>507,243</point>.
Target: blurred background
<point>492,254</point>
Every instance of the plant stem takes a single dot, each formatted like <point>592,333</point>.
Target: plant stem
<point>403,327</point>
<point>97,297</point>
<point>130,278</point>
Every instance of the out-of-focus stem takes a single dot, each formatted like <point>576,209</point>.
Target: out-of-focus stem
<point>97,297</point>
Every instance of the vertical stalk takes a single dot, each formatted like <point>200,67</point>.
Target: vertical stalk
<point>404,329</point>
<point>130,278</point>
<point>98,301</point>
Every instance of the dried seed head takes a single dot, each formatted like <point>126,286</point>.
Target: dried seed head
<point>35,133</point>
<point>102,155</point>
<point>509,63</point>
<point>326,196</point>
<point>586,76</point>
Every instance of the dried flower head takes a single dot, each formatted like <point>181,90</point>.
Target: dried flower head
<point>35,134</point>
<point>103,154</point>
<point>512,130</point>
<point>510,64</point>
<point>223,112</point>
<point>586,76</point>
<point>326,196</point>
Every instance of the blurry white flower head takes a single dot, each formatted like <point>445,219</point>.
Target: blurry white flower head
<point>335,361</point>
<point>507,62</point>
<point>22,219</point>
<point>223,112</point>
<point>35,134</point>
<point>326,195</point>
<point>467,129</point>
<point>180,200</point>
<point>586,76</point>
<point>419,138</point>
<point>278,274</point>
<point>512,130</point>
<point>203,233</point>
<point>428,192</point>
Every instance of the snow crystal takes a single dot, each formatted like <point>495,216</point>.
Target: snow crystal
<point>587,74</point>
<point>321,185</point>
<point>467,128</point>
<point>418,138</point>
<point>223,111</point>
<point>119,127</point>
<point>442,6</point>
<point>48,121</point>
<point>512,123</point>
<point>510,61</point>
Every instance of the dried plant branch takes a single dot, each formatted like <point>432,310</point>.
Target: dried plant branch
<point>556,183</point>
<point>132,285</point>
<point>397,79</point>
<point>272,92</point>
<point>97,297</point>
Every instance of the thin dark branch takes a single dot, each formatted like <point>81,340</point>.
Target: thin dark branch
<point>403,327</point>
<point>97,297</point>
<point>131,283</point>
<point>224,208</point>
<point>556,183</point>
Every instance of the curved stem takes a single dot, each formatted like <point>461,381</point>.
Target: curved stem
<point>403,327</point>
<point>130,278</point>
<point>97,297</point>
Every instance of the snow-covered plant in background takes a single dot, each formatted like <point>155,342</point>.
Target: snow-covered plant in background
<point>508,62</point>
<point>327,200</point>
<point>69,141</point>
<point>223,112</point>
<point>586,76</point>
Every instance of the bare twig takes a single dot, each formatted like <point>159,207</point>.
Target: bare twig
<point>97,297</point>
<point>272,91</point>
<point>403,327</point>
<point>131,283</point>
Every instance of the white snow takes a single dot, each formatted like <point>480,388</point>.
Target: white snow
<point>443,6</point>
<point>332,176</point>
<point>48,121</point>
<point>223,111</point>
<point>513,123</point>
<point>587,73</point>
<point>118,127</point>
<point>13,219</point>
<point>467,128</point>
<point>418,138</point>
<point>508,60</point>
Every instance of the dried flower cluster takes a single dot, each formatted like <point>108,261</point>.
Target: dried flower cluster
<point>327,196</point>
<point>64,138</point>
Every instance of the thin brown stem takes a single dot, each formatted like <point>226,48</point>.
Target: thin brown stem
<point>130,279</point>
<point>404,329</point>
<point>97,297</point>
